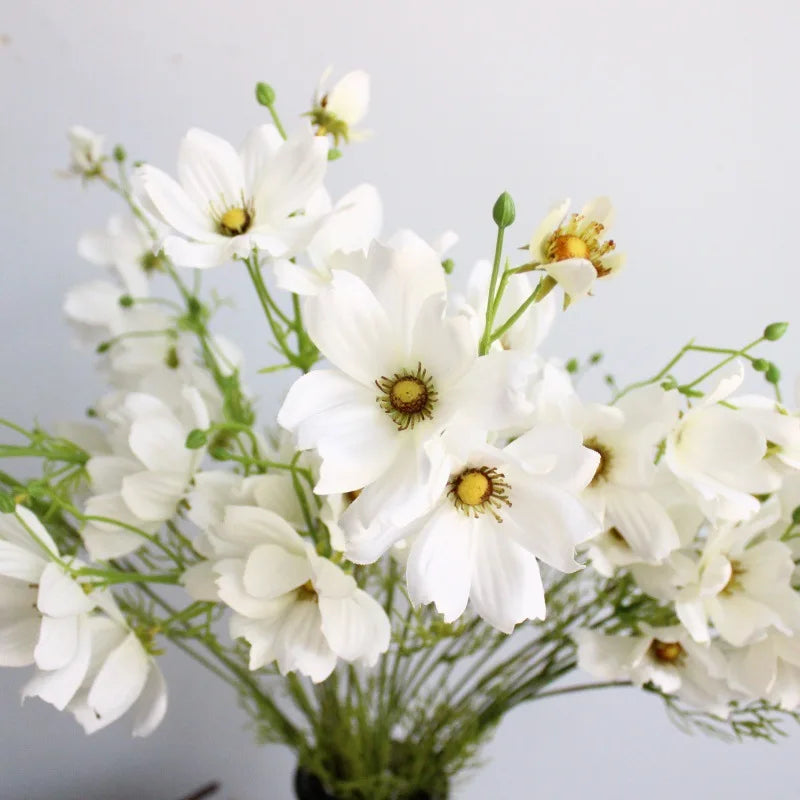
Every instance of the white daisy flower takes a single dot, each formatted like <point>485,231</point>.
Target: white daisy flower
<point>227,203</point>
<point>292,605</point>
<point>337,111</point>
<point>666,657</point>
<point>86,150</point>
<point>496,514</point>
<point>569,248</point>
<point>769,669</point>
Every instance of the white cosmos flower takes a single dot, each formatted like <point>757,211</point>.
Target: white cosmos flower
<point>496,512</point>
<point>227,203</point>
<point>570,249</point>
<point>292,606</point>
<point>338,110</point>
<point>666,657</point>
<point>780,428</point>
<point>625,437</point>
<point>741,584</point>
<point>718,453</point>
<point>346,234</point>
<point>42,608</point>
<point>111,674</point>
<point>85,150</point>
<point>402,371</point>
<point>770,669</point>
<point>147,475</point>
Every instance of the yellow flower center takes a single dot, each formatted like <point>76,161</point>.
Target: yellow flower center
<point>666,652</point>
<point>307,592</point>
<point>564,247</point>
<point>477,490</point>
<point>235,221</point>
<point>473,488</point>
<point>407,397</point>
<point>734,583</point>
<point>606,458</point>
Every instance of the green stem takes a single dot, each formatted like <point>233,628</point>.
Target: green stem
<point>491,303</point>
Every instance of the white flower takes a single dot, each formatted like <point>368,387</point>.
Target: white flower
<point>666,657</point>
<point>345,236</point>
<point>570,250</point>
<point>402,372</point>
<point>86,150</point>
<point>227,203</point>
<point>147,475</point>
<point>770,669</point>
<point>495,514</point>
<point>111,674</point>
<point>291,605</point>
<point>780,428</point>
<point>338,110</point>
<point>741,584</point>
<point>718,453</point>
<point>625,437</point>
<point>42,608</point>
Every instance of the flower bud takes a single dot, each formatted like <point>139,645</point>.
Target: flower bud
<point>126,301</point>
<point>774,331</point>
<point>572,366</point>
<point>448,265</point>
<point>265,94</point>
<point>196,439</point>
<point>103,347</point>
<point>119,153</point>
<point>503,211</point>
<point>760,364</point>
<point>334,153</point>
<point>773,374</point>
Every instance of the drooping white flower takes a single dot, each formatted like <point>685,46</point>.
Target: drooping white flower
<point>86,150</point>
<point>769,669</point>
<point>338,110</point>
<point>718,453</point>
<point>227,203</point>
<point>292,605</point>
<point>147,475</point>
<point>42,608</point>
<point>570,250</point>
<point>496,513</point>
<point>666,657</point>
<point>741,584</point>
<point>344,237</point>
<point>402,372</point>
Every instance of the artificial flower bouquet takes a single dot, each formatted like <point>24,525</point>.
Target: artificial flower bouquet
<point>434,528</point>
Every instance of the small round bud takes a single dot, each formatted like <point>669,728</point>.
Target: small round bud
<point>334,153</point>
<point>773,374</point>
<point>774,332</point>
<point>103,347</point>
<point>265,94</point>
<point>171,359</point>
<point>760,364</point>
<point>669,383</point>
<point>126,301</point>
<point>595,358</point>
<point>7,504</point>
<point>448,265</point>
<point>572,366</point>
<point>91,413</point>
<point>196,439</point>
<point>503,211</point>
<point>119,154</point>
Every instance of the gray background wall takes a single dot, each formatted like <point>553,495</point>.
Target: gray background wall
<point>684,112</point>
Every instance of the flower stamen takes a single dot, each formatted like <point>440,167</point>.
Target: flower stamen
<point>407,397</point>
<point>606,460</point>
<point>477,490</point>
<point>235,221</point>
<point>579,238</point>
<point>666,652</point>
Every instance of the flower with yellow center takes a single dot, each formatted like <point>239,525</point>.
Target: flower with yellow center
<point>337,111</point>
<point>573,250</point>
<point>229,202</point>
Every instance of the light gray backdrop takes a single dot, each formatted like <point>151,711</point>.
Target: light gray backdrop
<point>684,112</point>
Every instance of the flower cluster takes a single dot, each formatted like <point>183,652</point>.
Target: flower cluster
<point>431,478</point>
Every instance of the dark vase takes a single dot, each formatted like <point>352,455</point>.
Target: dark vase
<point>309,787</point>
